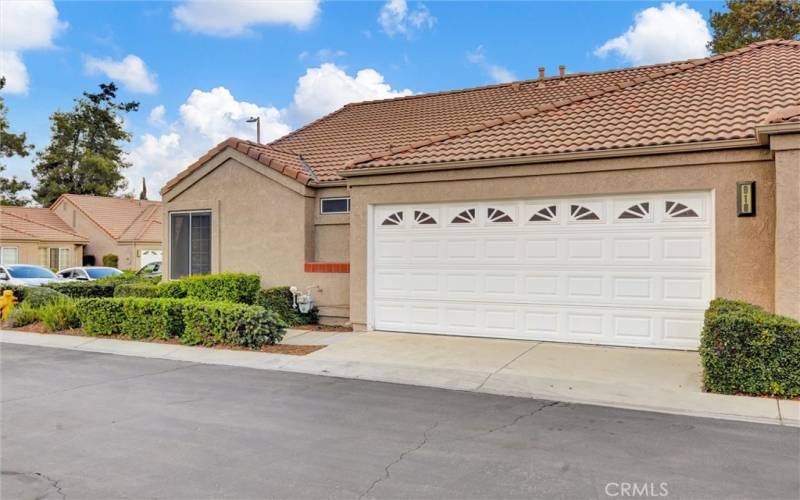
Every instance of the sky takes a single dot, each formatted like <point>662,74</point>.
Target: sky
<point>199,69</point>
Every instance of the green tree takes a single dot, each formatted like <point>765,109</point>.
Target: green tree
<point>84,155</point>
<point>749,21</point>
<point>11,144</point>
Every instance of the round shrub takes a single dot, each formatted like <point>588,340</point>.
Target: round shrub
<point>41,296</point>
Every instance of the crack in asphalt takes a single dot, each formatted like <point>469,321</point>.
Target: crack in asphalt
<point>387,473</point>
<point>95,384</point>
<point>54,484</point>
<point>514,422</point>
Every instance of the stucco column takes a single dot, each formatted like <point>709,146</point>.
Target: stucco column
<point>787,224</point>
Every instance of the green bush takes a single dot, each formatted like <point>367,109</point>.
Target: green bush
<point>39,296</point>
<point>83,289</point>
<point>230,287</point>
<point>745,349</point>
<point>211,323</point>
<point>172,289</point>
<point>136,290</point>
<point>60,314</point>
<point>110,260</point>
<point>136,317</point>
<point>168,289</point>
<point>279,301</point>
<point>24,314</point>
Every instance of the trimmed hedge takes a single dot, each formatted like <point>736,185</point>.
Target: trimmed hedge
<point>84,289</point>
<point>110,260</point>
<point>279,301</point>
<point>38,296</point>
<point>745,349</point>
<point>168,289</point>
<point>230,287</point>
<point>211,323</point>
<point>137,317</point>
<point>193,321</point>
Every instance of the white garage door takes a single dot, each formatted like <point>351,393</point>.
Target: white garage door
<point>617,270</point>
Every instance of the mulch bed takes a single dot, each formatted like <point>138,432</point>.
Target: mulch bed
<point>324,328</point>
<point>292,350</point>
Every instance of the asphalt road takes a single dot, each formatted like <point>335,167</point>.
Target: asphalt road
<point>81,425</point>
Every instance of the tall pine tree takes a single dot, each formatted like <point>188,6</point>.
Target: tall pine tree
<point>84,155</point>
<point>11,144</point>
<point>749,21</point>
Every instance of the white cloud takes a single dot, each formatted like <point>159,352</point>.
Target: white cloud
<point>206,118</point>
<point>15,72</point>
<point>659,34</point>
<point>156,116</point>
<point>158,159</point>
<point>217,115</point>
<point>27,25</point>
<point>209,117</point>
<point>327,88</point>
<point>236,18</point>
<point>395,18</point>
<point>131,71</point>
<point>500,74</point>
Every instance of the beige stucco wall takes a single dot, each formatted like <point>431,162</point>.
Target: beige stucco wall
<point>263,222</point>
<point>100,242</point>
<point>787,235</point>
<point>28,251</point>
<point>744,247</point>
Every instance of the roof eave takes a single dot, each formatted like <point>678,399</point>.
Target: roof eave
<point>764,131</point>
<point>555,157</point>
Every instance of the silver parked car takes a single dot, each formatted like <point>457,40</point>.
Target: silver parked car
<point>88,273</point>
<point>26,275</point>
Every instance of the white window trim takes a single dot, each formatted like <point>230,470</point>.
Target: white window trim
<point>16,259</point>
<point>334,198</point>
<point>211,246</point>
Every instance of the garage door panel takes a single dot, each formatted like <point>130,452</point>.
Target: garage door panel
<point>631,270</point>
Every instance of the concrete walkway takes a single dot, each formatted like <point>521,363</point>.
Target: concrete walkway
<point>642,379</point>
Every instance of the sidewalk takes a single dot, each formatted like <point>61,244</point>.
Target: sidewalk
<point>642,379</point>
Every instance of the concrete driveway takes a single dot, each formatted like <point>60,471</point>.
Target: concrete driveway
<point>88,425</point>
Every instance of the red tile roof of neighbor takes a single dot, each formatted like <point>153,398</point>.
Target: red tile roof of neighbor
<point>124,219</point>
<point>35,224</point>
<point>711,99</point>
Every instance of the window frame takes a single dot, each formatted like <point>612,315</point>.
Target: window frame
<point>16,255</point>
<point>191,213</point>
<point>334,198</point>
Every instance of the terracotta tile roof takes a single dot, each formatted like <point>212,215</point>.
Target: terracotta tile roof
<point>711,99</point>
<point>716,98</point>
<point>123,219</point>
<point>279,159</point>
<point>35,224</point>
<point>783,115</point>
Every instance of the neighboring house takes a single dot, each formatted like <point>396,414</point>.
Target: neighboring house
<point>37,236</point>
<point>600,207</point>
<point>128,228</point>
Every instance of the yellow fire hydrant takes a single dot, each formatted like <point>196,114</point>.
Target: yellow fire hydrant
<point>7,303</point>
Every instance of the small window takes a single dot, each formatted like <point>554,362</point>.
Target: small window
<point>9,256</point>
<point>421,217</point>
<point>394,219</point>
<point>465,217</point>
<point>334,206</point>
<point>546,214</point>
<point>675,209</point>
<point>496,215</point>
<point>638,211</point>
<point>579,212</point>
